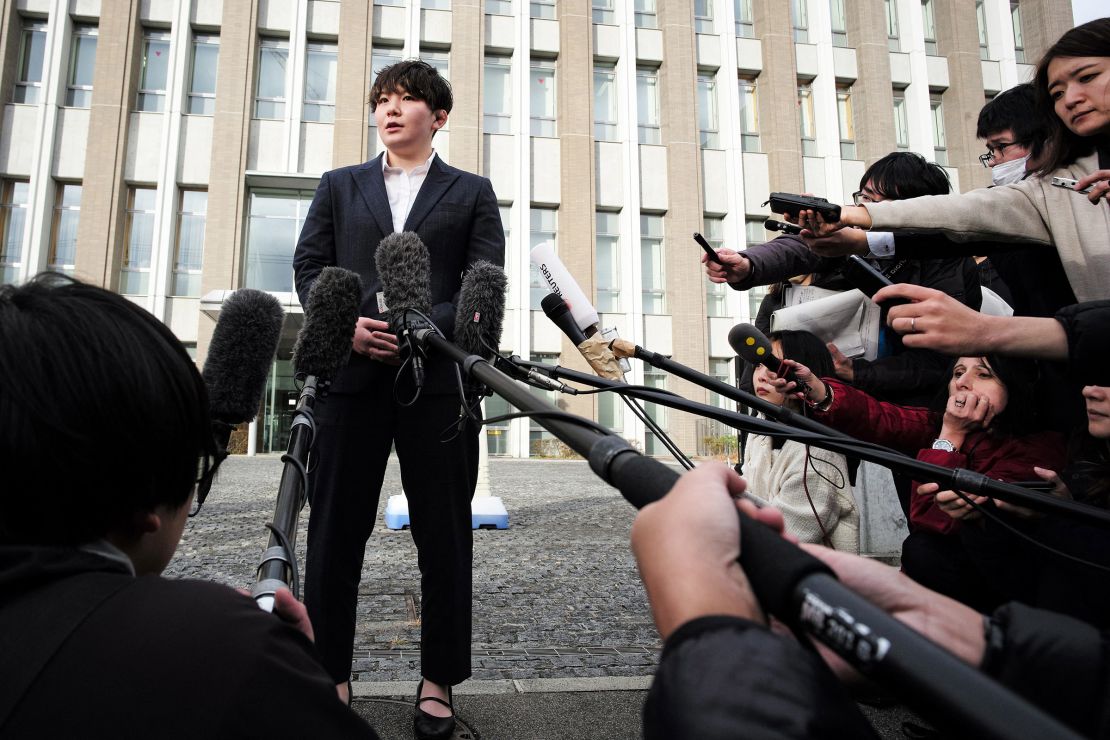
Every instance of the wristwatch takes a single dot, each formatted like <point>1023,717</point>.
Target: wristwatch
<point>943,444</point>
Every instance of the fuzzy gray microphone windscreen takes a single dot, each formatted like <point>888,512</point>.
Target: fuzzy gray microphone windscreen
<point>324,342</point>
<point>239,357</point>
<point>481,310</point>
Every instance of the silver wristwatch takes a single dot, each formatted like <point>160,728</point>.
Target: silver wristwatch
<point>943,444</point>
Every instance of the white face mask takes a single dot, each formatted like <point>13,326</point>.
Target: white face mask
<point>1008,172</point>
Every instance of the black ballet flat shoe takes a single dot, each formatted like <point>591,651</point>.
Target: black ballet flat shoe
<point>428,726</point>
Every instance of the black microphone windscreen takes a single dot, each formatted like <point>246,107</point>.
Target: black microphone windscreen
<point>405,272</point>
<point>752,344</point>
<point>553,305</point>
<point>324,342</point>
<point>481,310</point>
<point>239,357</point>
<point>560,314</point>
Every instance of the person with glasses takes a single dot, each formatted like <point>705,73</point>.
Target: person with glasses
<point>105,431</point>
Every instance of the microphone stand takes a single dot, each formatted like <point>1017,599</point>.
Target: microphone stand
<point>278,566</point>
<point>796,587</point>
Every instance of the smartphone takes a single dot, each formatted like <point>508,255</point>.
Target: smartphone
<point>794,204</point>
<point>1036,485</point>
<point>1068,184</point>
<point>783,226</point>
<point>708,249</point>
<point>869,280</point>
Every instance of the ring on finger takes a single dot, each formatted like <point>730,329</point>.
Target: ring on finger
<point>913,325</point>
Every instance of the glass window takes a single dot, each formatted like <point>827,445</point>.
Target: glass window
<point>542,9</point>
<point>543,229</point>
<point>63,232</point>
<point>799,16</point>
<point>892,25</point>
<point>847,123</point>
<point>647,105</point>
<point>32,51</point>
<point>645,15</point>
<point>929,25</point>
<point>497,434</point>
<point>499,7</point>
<point>542,443</point>
<point>940,144</point>
<point>703,16</point>
<point>655,378</point>
<point>394,3</point>
<point>1019,38</point>
<point>134,278</point>
<point>273,58</point>
<point>981,22</point>
<point>709,135</point>
<point>276,218</point>
<point>498,95</point>
<point>13,217</point>
<point>202,77</point>
<point>609,411</point>
<point>605,103</point>
<point>721,370</point>
<point>435,4</point>
<point>901,123</point>
<point>745,19</point>
<point>441,60</point>
<point>839,23</point>
<point>319,82</point>
<point>608,262</point>
<point>716,294</point>
<point>749,115</point>
<point>155,71</point>
<point>754,233</point>
<point>82,61</point>
<point>189,250</point>
<point>541,91</point>
<point>653,275</point>
<point>604,12</point>
<point>807,121</point>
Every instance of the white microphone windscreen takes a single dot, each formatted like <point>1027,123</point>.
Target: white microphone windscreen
<point>560,281</point>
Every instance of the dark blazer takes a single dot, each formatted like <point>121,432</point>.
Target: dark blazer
<point>456,216</point>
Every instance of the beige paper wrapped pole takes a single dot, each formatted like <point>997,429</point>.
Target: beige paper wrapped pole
<point>596,351</point>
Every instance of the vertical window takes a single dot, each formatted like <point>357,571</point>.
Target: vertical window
<point>647,105</point>
<point>440,60</point>
<point>273,58</point>
<point>608,262</point>
<point>892,25</point>
<point>847,123</point>
<point>543,229</point>
<point>929,24</point>
<point>275,221</point>
<point>745,19</point>
<point>1019,38</point>
<point>82,61</point>
<point>799,17</point>
<point>319,82</point>
<point>709,135</point>
<point>435,4</point>
<point>605,103</point>
<point>155,71</point>
<point>604,12</point>
<point>653,275</point>
<point>716,294</point>
<point>807,122</point>
<point>497,434</point>
<point>499,7</point>
<point>703,16</point>
<point>542,8</point>
<point>754,233</point>
<point>189,250</point>
<point>497,95</point>
<point>542,443</point>
<point>32,51</point>
<point>134,278</point>
<point>749,115</point>
<point>721,370</point>
<point>202,76</point>
<point>541,91</point>
<point>839,23</point>
<point>981,22</point>
<point>644,11</point>
<point>13,217</point>
<point>901,123</point>
<point>609,410</point>
<point>655,378</point>
<point>63,231</point>
<point>940,144</point>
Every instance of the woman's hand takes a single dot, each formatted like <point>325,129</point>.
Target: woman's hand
<point>732,268</point>
<point>966,412</point>
<point>1099,182</point>
<point>1059,491</point>
<point>951,503</point>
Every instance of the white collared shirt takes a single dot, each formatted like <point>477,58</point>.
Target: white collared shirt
<point>402,188</point>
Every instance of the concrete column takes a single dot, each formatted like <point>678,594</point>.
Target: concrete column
<point>1043,23</point>
<point>467,54</point>
<point>958,40</point>
<point>872,93</point>
<point>352,83</point>
<point>780,131</point>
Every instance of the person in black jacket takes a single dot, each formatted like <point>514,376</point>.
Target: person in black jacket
<point>104,432</point>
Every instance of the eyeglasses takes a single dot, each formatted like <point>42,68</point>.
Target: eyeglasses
<point>206,472</point>
<point>859,198</point>
<point>993,149</point>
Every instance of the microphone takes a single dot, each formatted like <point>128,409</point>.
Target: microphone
<point>480,314</point>
<point>405,271</point>
<point>239,356</point>
<point>559,312</point>
<point>559,279</point>
<point>754,346</point>
<point>324,342</point>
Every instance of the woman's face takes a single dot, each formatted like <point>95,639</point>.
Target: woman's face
<point>1098,410</point>
<point>1080,91</point>
<point>761,379</point>
<point>975,375</point>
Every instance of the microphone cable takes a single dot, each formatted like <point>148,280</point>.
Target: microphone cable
<point>411,359</point>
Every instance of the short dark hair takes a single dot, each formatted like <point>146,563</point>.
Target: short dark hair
<point>1064,146</point>
<point>1015,109</point>
<point>103,413</point>
<point>808,349</point>
<point>902,175</point>
<point>417,78</point>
